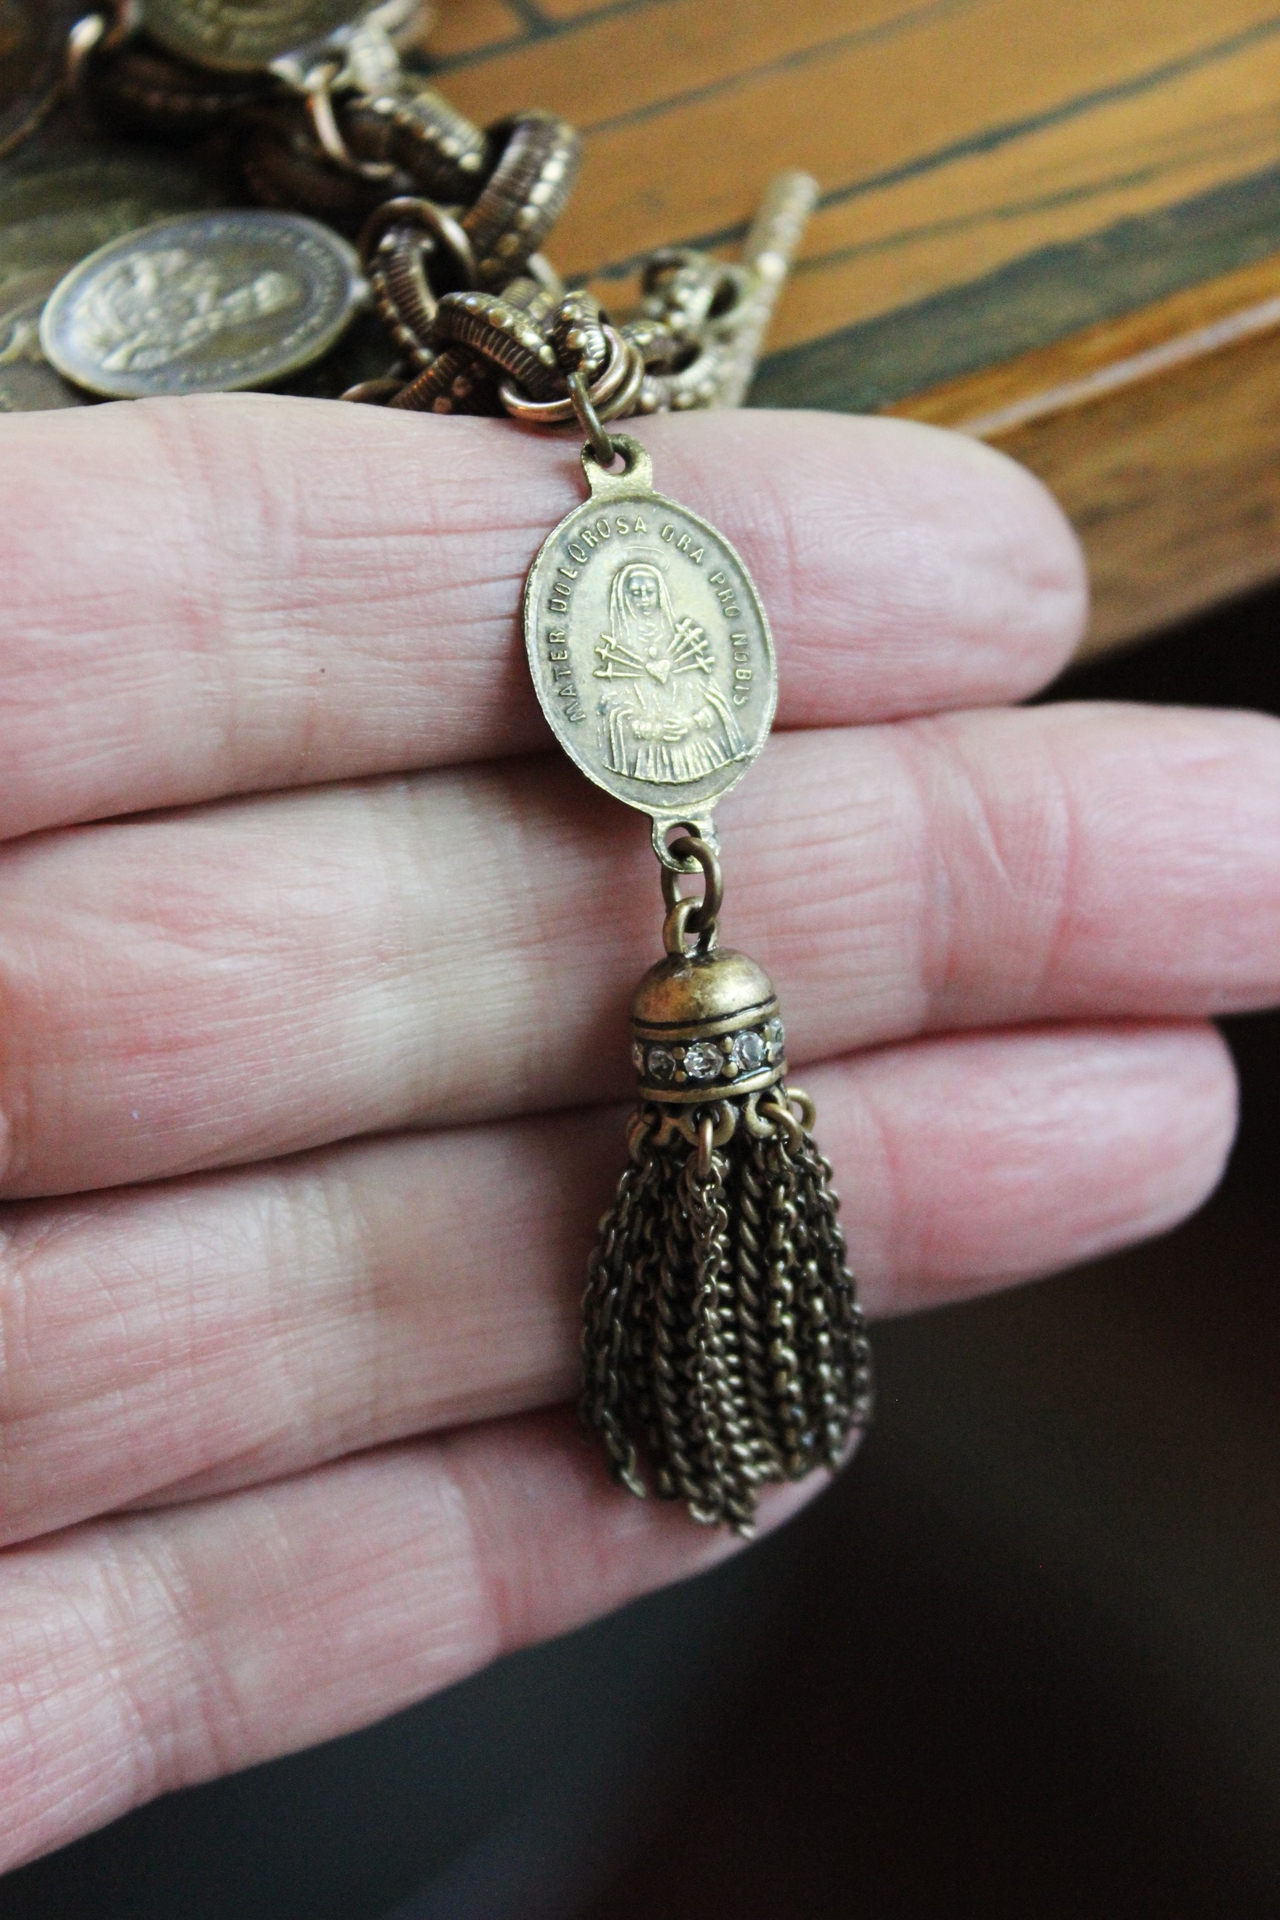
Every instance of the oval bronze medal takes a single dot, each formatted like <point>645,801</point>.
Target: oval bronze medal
<point>649,647</point>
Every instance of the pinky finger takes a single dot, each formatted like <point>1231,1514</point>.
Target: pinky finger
<point>153,1651</point>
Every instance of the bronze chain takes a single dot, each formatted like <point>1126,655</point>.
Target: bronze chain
<point>451,221</point>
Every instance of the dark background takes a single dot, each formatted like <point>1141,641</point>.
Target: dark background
<point>1023,1661</point>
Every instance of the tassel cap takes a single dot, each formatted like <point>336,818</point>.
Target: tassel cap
<point>705,1027</point>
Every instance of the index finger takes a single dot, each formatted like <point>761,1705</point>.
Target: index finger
<point>205,597</point>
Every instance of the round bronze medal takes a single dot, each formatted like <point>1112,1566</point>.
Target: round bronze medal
<point>242,34</point>
<point>649,647</point>
<point>213,303</point>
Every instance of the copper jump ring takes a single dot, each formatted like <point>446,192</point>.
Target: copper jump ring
<point>611,394</point>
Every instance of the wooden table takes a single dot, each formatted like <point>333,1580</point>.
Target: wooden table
<point>1057,226</point>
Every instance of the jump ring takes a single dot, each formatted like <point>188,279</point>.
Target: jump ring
<point>327,131</point>
<point>618,373</point>
<point>780,1113</point>
<point>706,912</point>
<point>602,445</point>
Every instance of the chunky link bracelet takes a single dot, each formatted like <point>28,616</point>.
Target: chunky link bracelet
<point>326,124</point>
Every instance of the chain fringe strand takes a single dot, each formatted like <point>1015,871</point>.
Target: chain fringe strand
<point>723,1345</point>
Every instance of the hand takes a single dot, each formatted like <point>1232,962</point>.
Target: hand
<point>314,965</point>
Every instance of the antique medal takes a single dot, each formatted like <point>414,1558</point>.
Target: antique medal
<point>723,1346</point>
<point>649,647</point>
<point>241,34</point>
<point>210,303</point>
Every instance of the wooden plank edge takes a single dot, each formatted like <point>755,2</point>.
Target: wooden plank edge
<point>1159,432</point>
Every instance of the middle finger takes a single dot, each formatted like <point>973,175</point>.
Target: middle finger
<point>246,980</point>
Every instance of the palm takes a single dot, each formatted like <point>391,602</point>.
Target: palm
<point>303,1051</point>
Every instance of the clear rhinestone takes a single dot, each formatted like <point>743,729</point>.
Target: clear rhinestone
<point>662,1065</point>
<point>701,1061</point>
<point>749,1053</point>
<point>775,1039</point>
<point>637,1056</point>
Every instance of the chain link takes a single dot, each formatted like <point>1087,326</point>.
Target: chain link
<point>444,209</point>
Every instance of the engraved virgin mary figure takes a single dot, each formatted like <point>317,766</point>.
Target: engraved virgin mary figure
<point>666,720</point>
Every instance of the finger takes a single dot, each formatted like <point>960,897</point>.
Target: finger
<point>144,1654</point>
<point>264,977</point>
<point>179,1341</point>
<point>206,597</point>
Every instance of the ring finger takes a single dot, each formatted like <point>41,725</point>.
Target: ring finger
<point>172,1341</point>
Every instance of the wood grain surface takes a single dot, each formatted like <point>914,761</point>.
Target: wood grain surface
<point>1055,226</point>
<point>1159,433</point>
<point>1011,193</point>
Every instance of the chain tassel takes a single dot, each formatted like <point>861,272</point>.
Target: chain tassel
<point>723,1346</point>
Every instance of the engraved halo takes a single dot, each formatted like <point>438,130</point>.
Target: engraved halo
<point>650,649</point>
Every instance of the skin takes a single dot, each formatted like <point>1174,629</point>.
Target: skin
<point>314,962</point>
